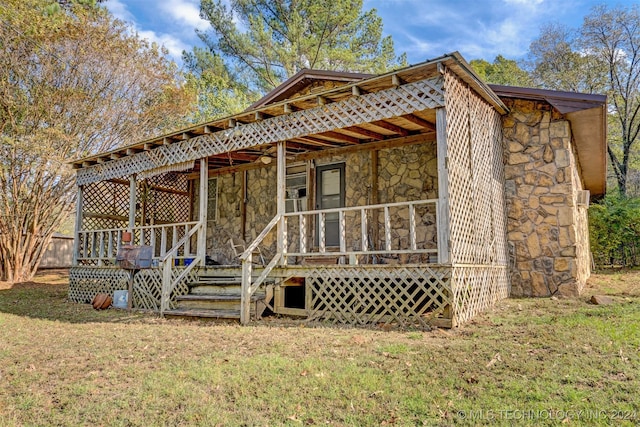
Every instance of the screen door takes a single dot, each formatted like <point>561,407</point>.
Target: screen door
<point>330,194</point>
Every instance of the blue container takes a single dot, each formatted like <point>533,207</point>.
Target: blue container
<point>120,299</point>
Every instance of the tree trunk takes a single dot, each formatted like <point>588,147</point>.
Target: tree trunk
<point>20,261</point>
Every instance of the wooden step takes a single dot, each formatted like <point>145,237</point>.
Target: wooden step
<point>214,301</point>
<point>209,289</point>
<point>206,314</point>
<point>217,279</point>
<point>216,297</point>
<point>225,281</point>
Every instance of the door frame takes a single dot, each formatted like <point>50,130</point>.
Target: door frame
<point>317,193</point>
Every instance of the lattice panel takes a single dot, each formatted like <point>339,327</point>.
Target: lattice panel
<point>359,295</point>
<point>385,104</point>
<point>476,194</point>
<point>86,282</point>
<point>477,288</point>
<point>461,195</point>
<point>105,205</point>
<point>499,206</point>
<point>147,288</point>
<point>165,198</point>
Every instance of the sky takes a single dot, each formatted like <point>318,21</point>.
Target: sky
<point>424,29</point>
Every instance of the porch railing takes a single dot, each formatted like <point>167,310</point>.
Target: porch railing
<point>415,214</point>
<point>101,246</point>
<point>168,282</point>
<point>249,287</point>
<point>396,226</point>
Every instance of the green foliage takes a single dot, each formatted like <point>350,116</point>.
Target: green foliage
<point>502,71</point>
<point>272,40</point>
<point>614,229</point>
<point>219,92</point>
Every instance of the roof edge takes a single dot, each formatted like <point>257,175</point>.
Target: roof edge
<point>308,73</point>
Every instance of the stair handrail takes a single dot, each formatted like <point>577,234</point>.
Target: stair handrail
<point>167,263</point>
<point>248,288</point>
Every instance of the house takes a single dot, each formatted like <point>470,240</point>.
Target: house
<point>416,197</point>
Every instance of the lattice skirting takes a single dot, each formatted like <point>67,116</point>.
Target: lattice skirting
<point>476,288</point>
<point>147,288</point>
<point>86,282</point>
<point>360,295</point>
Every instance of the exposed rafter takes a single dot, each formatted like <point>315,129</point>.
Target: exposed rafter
<point>391,127</point>
<point>418,121</point>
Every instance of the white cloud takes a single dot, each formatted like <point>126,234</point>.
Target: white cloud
<point>186,12</point>
<point>530,3</point>
<point>183,11</point>
<point>476,29</point>
<point>174,45</point>
<point>119,10</point>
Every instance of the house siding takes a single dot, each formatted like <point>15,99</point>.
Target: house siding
<point>547,231</point>
<point>404,173</point>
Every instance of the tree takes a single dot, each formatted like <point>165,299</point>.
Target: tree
<point>274,39</point>
<point>557,62</point>
<point>72,83</point>
<point>219,92</point>
<point>602,56</point>
<point>502,71</point>
<point>614,231</point>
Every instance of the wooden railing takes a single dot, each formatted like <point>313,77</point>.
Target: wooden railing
<point>249,287</point>
<point>168,261</point>
<point>101,246</point>
<point>363,221</point>
<point>376,225</point>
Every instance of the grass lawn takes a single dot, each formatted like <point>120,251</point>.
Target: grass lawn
<point>526,361</point>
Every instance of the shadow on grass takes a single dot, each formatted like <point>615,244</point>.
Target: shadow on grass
<point>48,301</point>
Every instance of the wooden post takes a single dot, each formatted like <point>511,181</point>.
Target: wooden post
<point>202,212</point>
<point>144,189</point>
<point>444,255</point>
<point>375,238</point>
<point>280,196</point>
<point>132,205</point>
<point>303,233</point>
<point>243,207</point>
<point>245,300</point>
<point>78,225</point>
<point>132,223</point>
<point>412,227</point>
<point>387,229</point>
<point>363,230</point>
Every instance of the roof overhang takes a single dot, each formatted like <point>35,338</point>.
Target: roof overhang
<point>587,114</point>
<point>145,153</point>
<point>301,79</point>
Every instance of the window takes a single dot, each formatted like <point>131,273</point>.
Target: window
<point>296,188</point>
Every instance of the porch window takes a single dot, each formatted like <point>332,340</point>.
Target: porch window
<point>212,201</point>
<point>296,191</point>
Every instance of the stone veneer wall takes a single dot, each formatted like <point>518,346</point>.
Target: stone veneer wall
<point>260,210</point>
<point>404,173</point>
<point>547,231</point>
<point>410,173</point>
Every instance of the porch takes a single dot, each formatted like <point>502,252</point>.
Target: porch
<point>425,246</point>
